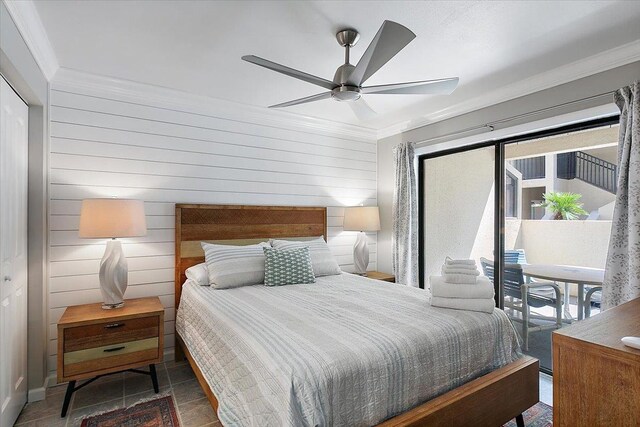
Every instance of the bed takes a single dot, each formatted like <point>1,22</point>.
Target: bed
<point>346,350</point>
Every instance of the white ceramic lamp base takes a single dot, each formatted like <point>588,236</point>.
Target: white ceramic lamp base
<point>361,254</point>
<point>113,275</point>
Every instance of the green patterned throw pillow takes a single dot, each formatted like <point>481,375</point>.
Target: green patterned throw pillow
<point>287,266</point>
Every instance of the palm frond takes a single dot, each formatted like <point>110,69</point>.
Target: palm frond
<point>565,205</point>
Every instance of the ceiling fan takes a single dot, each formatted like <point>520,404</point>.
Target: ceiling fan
<point>347,82</point>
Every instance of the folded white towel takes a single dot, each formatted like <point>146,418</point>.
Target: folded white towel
<point>470,267</point>
<point>462,279</point>
<point>451,261</point>
<point>482,289</point>
<point>455,270</point>
<point>482,305</point>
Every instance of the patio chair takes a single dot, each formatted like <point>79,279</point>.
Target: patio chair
<point>518,256</point>
<point>516,288</point>
<point>593,297</point>
<point>515,256</point>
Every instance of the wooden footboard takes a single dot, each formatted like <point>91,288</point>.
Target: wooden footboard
<point>491,400</point>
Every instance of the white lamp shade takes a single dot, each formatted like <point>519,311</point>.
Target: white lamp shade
<point>361,218</point>
<point>109,218</point>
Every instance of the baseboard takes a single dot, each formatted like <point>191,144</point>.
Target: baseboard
<point>169,354</point>
<point>52,380</point>
<point>37,394</point>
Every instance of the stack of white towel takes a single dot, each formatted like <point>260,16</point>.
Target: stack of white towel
<point>461,287</point>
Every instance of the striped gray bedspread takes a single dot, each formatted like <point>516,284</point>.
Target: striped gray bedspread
<point>344,351</point>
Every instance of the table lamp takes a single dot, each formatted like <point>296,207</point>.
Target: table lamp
<point>112,218</point>
<point>361,218</point>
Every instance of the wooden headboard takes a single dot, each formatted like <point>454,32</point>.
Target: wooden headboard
<point>238,225</point>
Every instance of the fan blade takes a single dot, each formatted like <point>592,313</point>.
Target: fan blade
<point>319,81</point>
<point>390,39</point>
<point>362,110</point>
<point>425,87</point>
<point>318,97</point>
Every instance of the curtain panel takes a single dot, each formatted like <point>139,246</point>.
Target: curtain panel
<point>622,271</point>
<point>405,216</point>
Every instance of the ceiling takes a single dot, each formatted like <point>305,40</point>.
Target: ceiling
<point>195,46</point>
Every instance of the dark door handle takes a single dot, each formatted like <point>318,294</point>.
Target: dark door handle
<point>109,350</point>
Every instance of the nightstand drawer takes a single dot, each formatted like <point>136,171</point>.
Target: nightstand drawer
<point>110,356</point>
<point>113,332</point>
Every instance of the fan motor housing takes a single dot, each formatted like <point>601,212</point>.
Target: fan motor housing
<point>348,37</point>
<point>342,74</point>
<point>346,93</point>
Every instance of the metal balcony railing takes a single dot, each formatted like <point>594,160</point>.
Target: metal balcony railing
<point>590,169</point>
<point>530,168</point>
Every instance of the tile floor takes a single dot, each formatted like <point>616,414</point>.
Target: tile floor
<point>122,390</point>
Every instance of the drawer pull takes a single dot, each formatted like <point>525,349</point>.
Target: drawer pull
<point>113,325</point>
<point>109,350</point>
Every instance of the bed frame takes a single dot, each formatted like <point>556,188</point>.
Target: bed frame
<point>490,400</point>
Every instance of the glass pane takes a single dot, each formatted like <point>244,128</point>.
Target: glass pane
<point>458,209</point>
<point>558,232</point>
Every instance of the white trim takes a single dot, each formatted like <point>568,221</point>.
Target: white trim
<point>538,125</point>
<point>27,20</point>
<point>142,93</point>
<point>37,394</point>
<point>598,63</point>
<point>52,379</point>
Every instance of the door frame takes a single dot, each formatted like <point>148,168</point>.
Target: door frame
<point>27,80</point>
<point>15,282</point>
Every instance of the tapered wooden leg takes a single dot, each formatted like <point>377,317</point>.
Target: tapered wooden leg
<point>67,398</point>
<point>520,420</point>
<point>154,377</point>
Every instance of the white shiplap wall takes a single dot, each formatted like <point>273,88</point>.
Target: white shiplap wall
<point>104,144</point>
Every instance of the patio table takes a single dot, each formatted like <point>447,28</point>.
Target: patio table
<point>568,274</point>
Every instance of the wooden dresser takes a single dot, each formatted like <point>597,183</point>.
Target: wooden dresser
<point>596,378</point>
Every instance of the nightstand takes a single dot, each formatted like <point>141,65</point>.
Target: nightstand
<point>93,342</point>
<point>385,277</point>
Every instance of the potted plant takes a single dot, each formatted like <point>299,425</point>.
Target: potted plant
<point>563,205</point>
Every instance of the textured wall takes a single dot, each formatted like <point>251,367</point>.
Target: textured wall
<point>103,145</point>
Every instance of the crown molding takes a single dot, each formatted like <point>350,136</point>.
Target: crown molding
<point>156,96</point>
<point>27,20</point>
<point>609,59</point>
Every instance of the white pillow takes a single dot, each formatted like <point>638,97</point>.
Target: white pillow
<point>324,264</point>
<point>234,266</point>
<point>198,274</point>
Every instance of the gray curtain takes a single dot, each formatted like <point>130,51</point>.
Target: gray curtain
<point>622,273</point>
<point>405,216</point>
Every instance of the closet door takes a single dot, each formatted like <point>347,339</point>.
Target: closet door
<point>13,254</point>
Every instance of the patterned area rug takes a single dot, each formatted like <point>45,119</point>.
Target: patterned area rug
<point>153,413</point>
<point>539,415</point>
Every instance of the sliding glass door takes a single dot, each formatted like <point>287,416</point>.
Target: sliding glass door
<point>556,240</point>
<point>534,212</point>
<point>458,201</point>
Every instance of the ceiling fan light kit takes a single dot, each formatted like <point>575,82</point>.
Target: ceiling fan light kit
<point>348,79</point>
